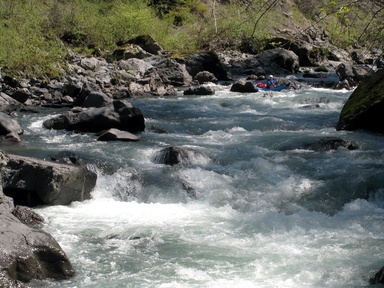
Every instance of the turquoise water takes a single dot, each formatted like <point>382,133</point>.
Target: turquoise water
<point>263,216</point>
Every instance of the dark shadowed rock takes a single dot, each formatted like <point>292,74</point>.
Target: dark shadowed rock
<point>147,42</point>
<point>378,278</point>
<point>176,155</point>
<point>244,87</point>
<point>28,254</point>
<point>204,61</point>
<point>98,119</point>
<point>201,90</point>
<point>31,181</point>
<point>97,99</point>
<point>21,95</point>
<point>365,107</point>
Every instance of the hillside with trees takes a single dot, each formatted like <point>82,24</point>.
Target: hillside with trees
<point>38,35</point>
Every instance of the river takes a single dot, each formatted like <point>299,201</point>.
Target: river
<point>263,215</point>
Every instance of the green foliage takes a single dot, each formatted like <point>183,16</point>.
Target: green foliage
<point>35,34</point>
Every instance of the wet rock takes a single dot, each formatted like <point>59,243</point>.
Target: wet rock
<point>326,144</point>
<point>378,278</point>
<point>28,217</point>
<point>98,119</point>
<point>31,181</point>
<point>117,135</point>
<point>29,254</point>
<point>86,161</point>
<point>244,87</point>
<point>201,90</point>
<point>175,155</point>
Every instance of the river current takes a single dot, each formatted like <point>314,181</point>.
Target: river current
<point>266,213</point>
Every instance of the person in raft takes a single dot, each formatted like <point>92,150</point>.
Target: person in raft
<point>271,83</point>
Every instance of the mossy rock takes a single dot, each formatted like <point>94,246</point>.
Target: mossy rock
<point>365,107</point>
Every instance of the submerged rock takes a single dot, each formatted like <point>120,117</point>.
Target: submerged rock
<point>176,155</point>
<point>326,144</point>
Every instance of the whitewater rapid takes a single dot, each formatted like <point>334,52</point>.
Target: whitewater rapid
<point>263,215</point>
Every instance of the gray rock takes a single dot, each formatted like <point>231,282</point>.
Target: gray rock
<point>205,77</point>
<point>9,125</point>
<point>244,87</point>
<point>90,63</point>
<point>128,51</point>
<point>28,254</point>
<point>117,135</point>
<point>31,181</point>
<point>201,90</point>
<point>169,71</point>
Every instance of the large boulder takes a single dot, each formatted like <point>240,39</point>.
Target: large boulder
<point>203,61</point>
<point>365,107</point>
<point>200,90</point>
<point>276,61</point>
<point>31,181</point>
<point>27,253</point>
<point>147,43</point>
<point>97,99</point>
<point>135,68</point>
<point>169,70</point>
<point>279,61</point>
<point>126,118</point>
<point>244,87</point>
<point>9,125</point>
<point>351,75</point>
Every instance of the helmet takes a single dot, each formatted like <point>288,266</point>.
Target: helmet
<point>270,76</point>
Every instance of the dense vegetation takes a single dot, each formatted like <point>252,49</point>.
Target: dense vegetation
<point>36,35</point>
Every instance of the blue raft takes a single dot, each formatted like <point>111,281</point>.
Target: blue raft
<point>278,88</point>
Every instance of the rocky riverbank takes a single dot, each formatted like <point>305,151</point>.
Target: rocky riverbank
<point>95,94</point>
